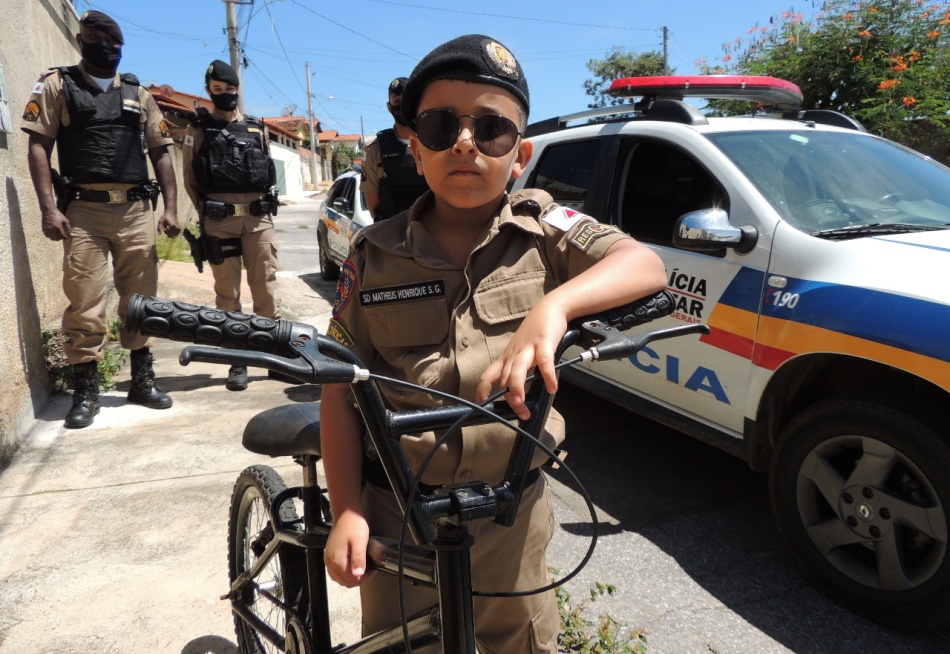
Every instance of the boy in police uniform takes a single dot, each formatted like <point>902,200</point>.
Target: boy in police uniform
<point>103,125</point>
<point>390,180</point>
<point>231,188</point>
<point>493,281</point>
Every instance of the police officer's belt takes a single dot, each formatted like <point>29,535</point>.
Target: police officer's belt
<point>133,194</point>
<point>374,474</point>
<point>256,208</point>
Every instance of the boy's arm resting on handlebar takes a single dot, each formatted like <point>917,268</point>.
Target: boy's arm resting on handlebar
<point>627,272</point>
<point>341,439</point>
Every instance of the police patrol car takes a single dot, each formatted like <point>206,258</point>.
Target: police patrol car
<point>818,256</point>
<point>342,213</point>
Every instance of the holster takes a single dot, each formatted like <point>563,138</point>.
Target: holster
<point>214,209</point>
<point>60,189</point>
<point>211,249</point>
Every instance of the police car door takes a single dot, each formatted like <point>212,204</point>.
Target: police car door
<point>705,378</point>
<point>340,211</point>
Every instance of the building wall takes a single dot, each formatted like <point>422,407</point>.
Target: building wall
<point>37,34</point>
<point>288,159</point>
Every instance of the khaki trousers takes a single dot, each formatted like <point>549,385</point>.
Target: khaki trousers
<point>259,247</point>
<point>127,233</point>
<point>503,559</point>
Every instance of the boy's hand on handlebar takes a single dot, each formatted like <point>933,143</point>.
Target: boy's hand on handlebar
<point>533,345</point>
<point>345,555</point>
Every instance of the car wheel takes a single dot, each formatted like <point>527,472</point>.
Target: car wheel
<point>328,270</point>
<point>861,493</point>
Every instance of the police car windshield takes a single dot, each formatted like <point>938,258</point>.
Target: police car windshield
<point>833,183</point>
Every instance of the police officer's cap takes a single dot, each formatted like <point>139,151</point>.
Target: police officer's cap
<point>473,58</point>
<point>221,72</point>
<point>100,21</point>
<point>398,85</point>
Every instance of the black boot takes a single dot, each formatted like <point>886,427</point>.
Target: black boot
<point>237,378</point>
<point>85,396</point>
<point>144,390</point>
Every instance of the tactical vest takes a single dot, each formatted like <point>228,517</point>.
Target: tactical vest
<point>104,141</point>
<point>233,156</point>
<point>402,183</point>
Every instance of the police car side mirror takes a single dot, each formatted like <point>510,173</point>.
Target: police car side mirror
<point>341,204</point>
<point>709,229</point>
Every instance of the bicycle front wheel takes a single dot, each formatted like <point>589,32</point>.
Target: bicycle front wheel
<point>278,594</point>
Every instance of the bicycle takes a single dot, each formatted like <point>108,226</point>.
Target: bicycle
<point>278,590</point>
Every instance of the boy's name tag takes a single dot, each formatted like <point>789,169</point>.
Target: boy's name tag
<point>402,293</point>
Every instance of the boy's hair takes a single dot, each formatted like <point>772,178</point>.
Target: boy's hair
<point>470,58</point>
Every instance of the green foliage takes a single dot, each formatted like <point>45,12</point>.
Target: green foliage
<point>605,636</point>
<point>175,249</point>
<point>617,64</point>
<point>885,62</point>
<point>61,373</point>
<point>342,158</point>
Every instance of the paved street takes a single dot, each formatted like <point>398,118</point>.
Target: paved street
<point>113,539</point>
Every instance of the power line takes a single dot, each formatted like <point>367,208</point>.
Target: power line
<point>526,18</point>
<point>371,40</point>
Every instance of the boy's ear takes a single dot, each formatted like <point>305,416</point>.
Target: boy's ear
<point>414,147</point>
<point>525,150</point>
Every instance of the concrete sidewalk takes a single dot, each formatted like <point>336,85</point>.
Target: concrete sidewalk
<point>114,538</point>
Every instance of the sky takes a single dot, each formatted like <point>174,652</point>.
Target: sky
<point>356,47</point>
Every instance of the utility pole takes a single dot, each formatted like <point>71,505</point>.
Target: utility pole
<point>234,48</point>
<point>666,56</point>
<point>362,138</point>
<point>314,136</point>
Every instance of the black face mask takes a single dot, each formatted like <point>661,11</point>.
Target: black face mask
<point>101,55</point>
<point>397,116</point>
<point>225,101</point>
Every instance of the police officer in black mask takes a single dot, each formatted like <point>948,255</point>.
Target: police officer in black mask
<point>390,180</point>
<point>230,178</point>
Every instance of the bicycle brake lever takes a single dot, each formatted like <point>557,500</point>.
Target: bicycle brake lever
<point>319,370</point>
<point>616,345</point>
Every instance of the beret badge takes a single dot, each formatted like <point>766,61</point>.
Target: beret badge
<point>500,59</point>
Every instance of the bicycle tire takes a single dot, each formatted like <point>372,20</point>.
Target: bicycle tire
<point>284,578</point>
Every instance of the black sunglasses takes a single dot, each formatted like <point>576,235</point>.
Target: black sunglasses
<point>439,129</point>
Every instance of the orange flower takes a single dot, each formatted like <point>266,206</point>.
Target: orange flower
<point>899,68</point>
<point>865,33</point>
<point>856,58</point>
<point>887,84</point>
<point>873,10</point>
<point>933,34</point>
<point>790,39</point>
<point>909,101</point>
<point>848,16</point>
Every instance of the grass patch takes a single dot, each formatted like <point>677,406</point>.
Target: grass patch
<point>175,249</point>
<point>606,635</point>
<point>61,373</point>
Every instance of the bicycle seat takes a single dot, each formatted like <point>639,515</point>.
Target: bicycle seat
<point>287,430</point>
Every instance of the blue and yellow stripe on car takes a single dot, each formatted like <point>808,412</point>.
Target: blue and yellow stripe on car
<point>907,333</point>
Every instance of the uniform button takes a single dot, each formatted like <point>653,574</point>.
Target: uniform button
<point>466,476</point>
<point>465,341</point>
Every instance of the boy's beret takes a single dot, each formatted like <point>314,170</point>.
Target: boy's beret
<point>221,72</point>
<point>100,21</point>
<point>473,58</point>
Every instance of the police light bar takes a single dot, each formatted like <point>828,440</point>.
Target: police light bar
<point>755,88</point>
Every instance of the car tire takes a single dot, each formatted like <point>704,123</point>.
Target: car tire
<point>328,269</point>
<point>860,491</point>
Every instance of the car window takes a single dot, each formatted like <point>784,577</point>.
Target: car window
<point>335,190</point>
<point>659,183</point>
<point>566,170</point>
<point>821,181</point>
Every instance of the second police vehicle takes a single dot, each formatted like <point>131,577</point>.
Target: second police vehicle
<point>818,256</point>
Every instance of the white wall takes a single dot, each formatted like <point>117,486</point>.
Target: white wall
<point>291,182</point>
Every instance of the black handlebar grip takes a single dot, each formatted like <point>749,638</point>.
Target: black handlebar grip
<point>189,323</point>
<point>640,311</point>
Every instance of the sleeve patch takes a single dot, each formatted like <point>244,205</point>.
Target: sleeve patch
<point>344,289</point>
<point>38,87</point>
<point>32,112</point>
<point>589,233</point>
<point>189,140</point>
<point>163,128</point>
<point>563,218</point>
<point>337,333</point>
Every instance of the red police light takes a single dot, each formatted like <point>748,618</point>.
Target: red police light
<point>756,88</point>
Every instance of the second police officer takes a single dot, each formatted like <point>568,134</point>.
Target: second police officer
<point>230,178</point>
<point>390,179</point>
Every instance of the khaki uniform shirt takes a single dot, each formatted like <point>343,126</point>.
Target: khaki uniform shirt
<point>46,112</point>
<point>191,145</point>
<point>409,314</point>
<point>372,168</point>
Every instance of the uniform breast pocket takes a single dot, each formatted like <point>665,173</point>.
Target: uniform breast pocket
<point>500,302</point>
<point>409,324</point>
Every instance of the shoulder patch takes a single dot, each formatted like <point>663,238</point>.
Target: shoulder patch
<point>38,87</point>
<point>589,233</point>
<point>344,289</point>
<point>163,128</point>
<point>337,333</point>
<point>32,112</point>
<point>189,140</point>
<point>563,218</point>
